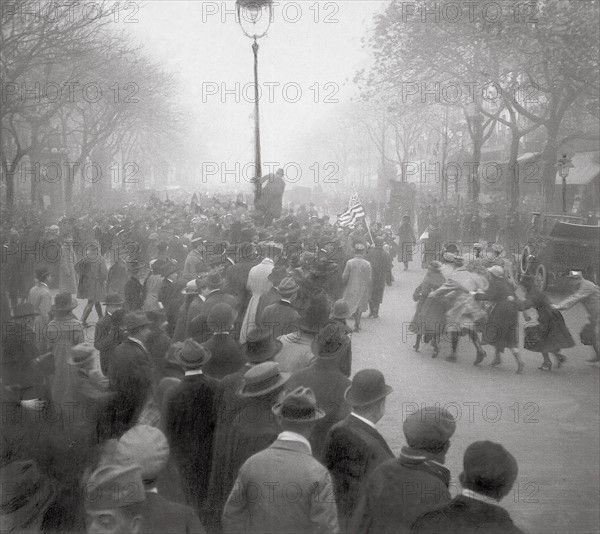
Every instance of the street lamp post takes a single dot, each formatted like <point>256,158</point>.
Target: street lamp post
<point>564,166</point>
<point>254,17</point>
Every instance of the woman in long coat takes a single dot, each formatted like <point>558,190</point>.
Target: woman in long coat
<point>501,329</point>
<point>406,242</point>
<point>429,311</point>
<point>92,279</point>
<point>554,332</point>
<point>67,282</point>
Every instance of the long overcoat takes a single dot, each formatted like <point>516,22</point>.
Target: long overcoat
<point>406,242</point>
<point>381,265</point>
<point>357,278</point>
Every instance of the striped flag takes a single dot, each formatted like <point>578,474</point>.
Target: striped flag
<point>354,212</point>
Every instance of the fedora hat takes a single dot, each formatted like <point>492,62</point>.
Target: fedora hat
<point>288,287</point>
<point>330,342</point>
<point>113,299</point>
<point>26,495</point>
<point>192,355</point>
<point>340,309</point>
<point>136,319</point>
<point>260,345</point>
<point>262,379</point>
<point>81,355</point>
<point>63,302</point>
<point>24,310</point>
<point>368,386</point>
<point>299,406</point>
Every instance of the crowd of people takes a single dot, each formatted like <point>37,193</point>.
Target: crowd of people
<point>208,385</point>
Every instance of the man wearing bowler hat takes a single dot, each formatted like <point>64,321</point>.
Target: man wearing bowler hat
<point>489,472</point>
<point>190,418</point>
<point>400,490</point>
<point>283,489</point>
<point>354,448</point>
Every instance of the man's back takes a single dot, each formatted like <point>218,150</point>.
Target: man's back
<point>161,515</point>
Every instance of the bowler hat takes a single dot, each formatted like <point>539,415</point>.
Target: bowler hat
<point>340,310</point>
<point>435,266</point>
<point>330,342</point>
<point>192,355</point>
<point>214,280</point>
<point>63,302</point>
<point>368,386</point>
<point>221,317</point>
<point>299,406</point>
<point>359,247</point>
<point>288,287</point>
<point>114,486</point>
<point>24,310</point>
<point>113,299</point>
<point>260,345</point>
<point>262,379</point>
<point>41,273</point>
<point>429,427</point>
<point>136,319</point>
<point>145,446</point>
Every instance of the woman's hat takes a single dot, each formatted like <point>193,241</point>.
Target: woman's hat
<point>496,270</point>
<point>435,266</point>
<point>26,495</point>
<point>288,287</point>
<point>262,379</point>
<point>368,386</point>
<point>330,342</point>
<point>340,309</point>
<point>63,302</point>
<point>299,406</point>
<point>260,345</point>
<point>192,355</point>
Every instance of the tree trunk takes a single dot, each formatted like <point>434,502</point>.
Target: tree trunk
<point>512,185</point>
<point>550,157</point>
<point>10,188</point>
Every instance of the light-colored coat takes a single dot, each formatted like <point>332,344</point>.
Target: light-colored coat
<point>67,277</point>
<point>282,489</point>
<point>296,352</point>
<point>258,284</point>
<point>41,300</point>
<point>357,279</point>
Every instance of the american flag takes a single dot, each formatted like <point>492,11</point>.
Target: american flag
<point>354,212</point>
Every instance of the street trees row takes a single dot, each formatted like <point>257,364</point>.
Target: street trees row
<point>533,66</point>
<point>75,85</point>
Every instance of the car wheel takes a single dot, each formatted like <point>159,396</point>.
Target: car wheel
<point>541,277</point>
<point>524,264</point>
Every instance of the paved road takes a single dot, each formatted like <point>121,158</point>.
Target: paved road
<point>548,420</point>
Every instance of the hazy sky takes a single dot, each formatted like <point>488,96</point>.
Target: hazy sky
<point>309,44</point>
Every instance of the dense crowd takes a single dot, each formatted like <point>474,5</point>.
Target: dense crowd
<point>208,384</point>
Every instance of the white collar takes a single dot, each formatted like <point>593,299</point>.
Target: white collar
<point>152,490</point>
<point>363,419</point>
<point>285,300</point>
<point>202,298</point>
<point>477,496</point>
<point>287,435</point>
<point>193,372</point>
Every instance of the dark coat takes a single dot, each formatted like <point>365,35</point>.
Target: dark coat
<point>281,318</point>
<point>381,265</point>
<point>199,328</point>
<point>266,299</point>
<point>502,327</point>
<point>19,352</point>
<point>236,280</point>
<point>406,242</point>
<point>117,278</point>
<point>134,294</point>
<point>351,452</point>
<point>106,340</point>
<point>466,516</point>
<point>329,385</point>
<point>225,356</point>
<point>399,491</point>
<point>92,278</point>
<point>190,419</point>
<point>193,311</point>
<point>161,515</point>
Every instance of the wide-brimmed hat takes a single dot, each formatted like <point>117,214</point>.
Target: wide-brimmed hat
<point>262,379</point>
<point>136,319</point>
<point>191,288</point>
<point>359,247</point>
<point>368,386</point>
<point>24,310</point>
<point>330,342</point>
<point>435,266</point>
<point>26,495</point>
<point>81,354</point>
<point>340,309</point>
<point>64,302</point>
<point>428,426</point>
<point>214,280</point>
<point>299,406</point>
<point>113,299</point>
<point>288,287</point>
<point>114,486</point>
<point>192,355</point>
<point>496,270</point>
<point>260,345</point>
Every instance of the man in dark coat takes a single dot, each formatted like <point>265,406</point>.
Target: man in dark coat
<point>237,275</point>
<point>400,490</point>
<point>168,287</point>
<point>272,296</point>
<point>107,334</point>
<point>381,267</point>
<point>226,352</point>
<point>282,318</point>
<point>190,420</point>
<point>406,241</point>
<point>198,327</point>
<point>326,380</point>
<point>134,289</point>
<point>488,476</point>
<point>354,448</point>
<point>271,198</point>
